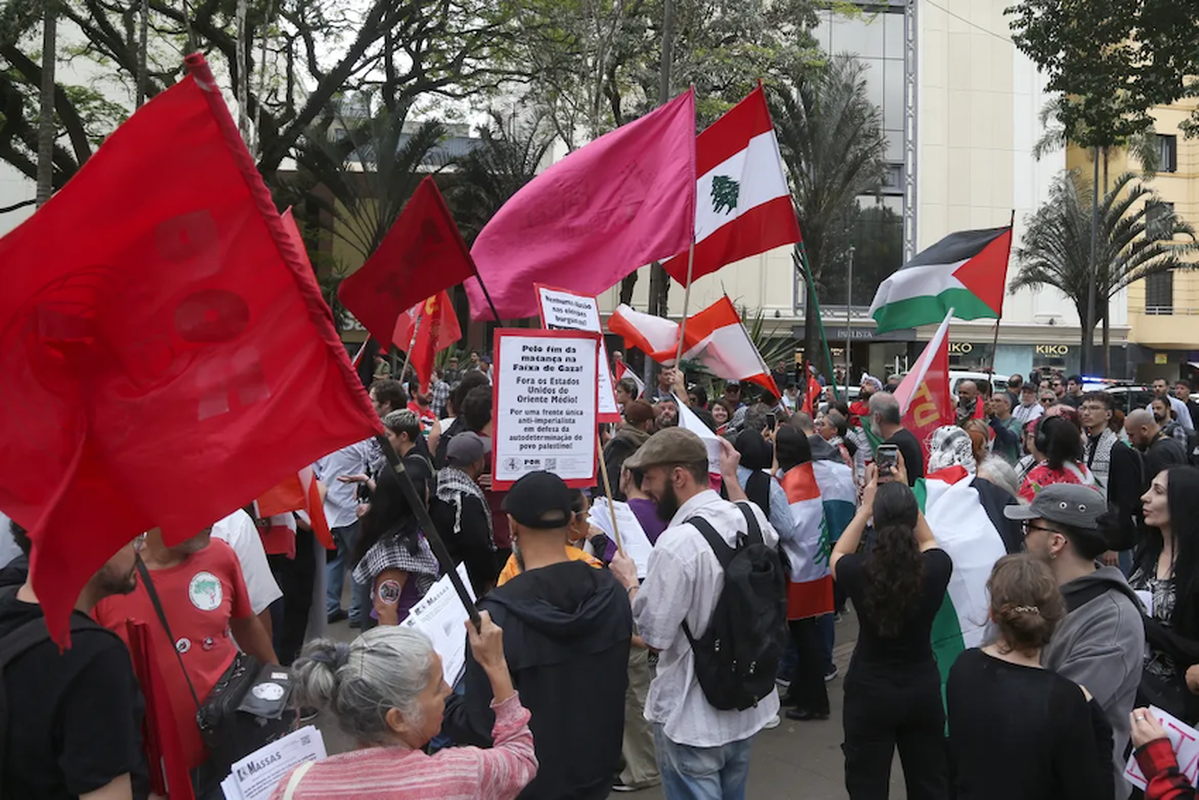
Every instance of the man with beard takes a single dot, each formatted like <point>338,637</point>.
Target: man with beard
<point>567,630</point>
<point>702,751</point>
<point>1101,641</point>
<point>73,722</point>
<point>204,598</point>
<point>1161,388</point>
<point>1159,451</point>
<point>1162,415</point>
<point>886,423</point>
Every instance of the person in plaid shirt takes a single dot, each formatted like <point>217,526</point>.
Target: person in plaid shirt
<point>441,393</point>
<point>1155,756</point>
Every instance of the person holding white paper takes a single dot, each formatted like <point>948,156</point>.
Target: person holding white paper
<point>1155,756</point>
<point>387,691</point>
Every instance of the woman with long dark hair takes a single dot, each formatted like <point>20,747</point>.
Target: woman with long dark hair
<point>1167,572</point>
<point>1058,439</point>
<point>393,557</point>
<point>893,687</point>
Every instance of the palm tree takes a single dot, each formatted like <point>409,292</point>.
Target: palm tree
<point>1136,240</point>
<point>46,129</point>
<point>832,143</point>
<point>506,157</point>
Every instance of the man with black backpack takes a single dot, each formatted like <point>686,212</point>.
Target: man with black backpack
<point>72,719</point>
<point>713,604</point>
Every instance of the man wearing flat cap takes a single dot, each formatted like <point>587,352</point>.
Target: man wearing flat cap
<point>683,584</point>
<point>1100,643</point>
<point>567,629</point>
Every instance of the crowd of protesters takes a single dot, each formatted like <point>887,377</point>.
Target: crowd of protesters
<point>587,675</point>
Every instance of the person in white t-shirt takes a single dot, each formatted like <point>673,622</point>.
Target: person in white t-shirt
<point>702,751</point>
<point>239,532</point>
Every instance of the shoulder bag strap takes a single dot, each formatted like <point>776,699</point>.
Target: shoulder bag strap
<point>162,617</point>
<point>753,531</point>
<point>290,792</point>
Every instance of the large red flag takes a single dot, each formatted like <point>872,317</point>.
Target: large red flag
<point>622,201</point>
<point>924,397</point>
<point>165,354</point>
<point>421,255</point>
<point>437,329</point>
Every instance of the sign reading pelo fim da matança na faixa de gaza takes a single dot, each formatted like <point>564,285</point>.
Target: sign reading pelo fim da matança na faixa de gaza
<point>545,403</point>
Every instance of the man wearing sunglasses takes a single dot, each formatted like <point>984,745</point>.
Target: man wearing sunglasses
<point>1100,643</point>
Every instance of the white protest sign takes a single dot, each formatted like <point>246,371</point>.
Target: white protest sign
<point>567,311</point>
<point>441,616</point>
<point>1185,741</point>
<point>689,421</point>
<point>545,398</point>
<point>256,776</point>
<point>632,535</point>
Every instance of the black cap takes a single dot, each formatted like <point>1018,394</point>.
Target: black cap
<point>539,500</point>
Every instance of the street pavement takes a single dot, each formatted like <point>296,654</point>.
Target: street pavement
<point>797,760</point>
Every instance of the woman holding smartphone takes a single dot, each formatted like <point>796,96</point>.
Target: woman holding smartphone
<point>893,687</point>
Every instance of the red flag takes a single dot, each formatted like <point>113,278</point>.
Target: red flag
<point>422,254</point>
<point>811,393</point>
<point>298,492</point>
<point>165,355</point>
<point>924,397</point>
<point>438,329</point>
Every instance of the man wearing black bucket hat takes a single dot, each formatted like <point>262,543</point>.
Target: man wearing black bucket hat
<point>1100,643</point>
<point>567,628</point>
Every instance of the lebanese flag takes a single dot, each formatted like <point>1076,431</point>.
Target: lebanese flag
<point>810,584</point>
<point>622,201</point>
<point>689,420</point>
<point>622,371</point>
<point>742,201</point>
<point>436,330</point>
<point>422,254</point>
<point>714,337</point>
<point>164,364</point>
<point>298,492</point>
<point>965,271</point>
<point>924,397</point>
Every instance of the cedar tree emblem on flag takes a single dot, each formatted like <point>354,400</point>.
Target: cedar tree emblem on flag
<point>724,194</point>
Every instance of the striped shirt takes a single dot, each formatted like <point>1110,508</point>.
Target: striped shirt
<point>457,773</point>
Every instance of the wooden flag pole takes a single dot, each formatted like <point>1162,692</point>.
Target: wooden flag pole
<point>599,449</point>
<point>412,343</point>
<point>423,519</point>
<point>686,301</point>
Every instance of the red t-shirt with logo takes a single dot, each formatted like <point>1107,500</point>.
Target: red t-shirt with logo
<point>199,597</point>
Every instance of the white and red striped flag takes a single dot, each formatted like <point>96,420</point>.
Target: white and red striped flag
<point>742,201</point>
<point>714,337</point>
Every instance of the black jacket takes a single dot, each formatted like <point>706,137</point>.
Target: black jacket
<point>1162,452</point>
<point>567,629</point>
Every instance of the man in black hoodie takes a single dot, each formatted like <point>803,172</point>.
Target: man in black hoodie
<point>567,628</point>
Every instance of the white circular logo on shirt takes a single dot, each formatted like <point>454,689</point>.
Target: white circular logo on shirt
<point>268,691</point>
<point>205,591</point>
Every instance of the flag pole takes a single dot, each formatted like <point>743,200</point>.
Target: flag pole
<point>412,342</point>
<point>800,254</point>
<point>417,503</point>
<point>599,449</point>
<point>678,357</point>
<point>487,295</point>
<point>995,338</point>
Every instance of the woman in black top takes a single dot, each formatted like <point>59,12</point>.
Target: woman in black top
<point>1017,730</point>
<point>893,688</point>
<point>1167,569</point>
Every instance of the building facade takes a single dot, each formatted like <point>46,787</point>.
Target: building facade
<point>960,108</point>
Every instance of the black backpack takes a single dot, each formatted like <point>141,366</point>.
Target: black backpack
<point>737,658</point>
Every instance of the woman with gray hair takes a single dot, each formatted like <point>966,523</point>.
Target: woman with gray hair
<point>387,692</point>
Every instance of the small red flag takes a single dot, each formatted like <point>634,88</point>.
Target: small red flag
<point>298,492</point>
<point>924,397</point>
<point>165,353</point>
<point>438,329</point>
<point>421,255</point>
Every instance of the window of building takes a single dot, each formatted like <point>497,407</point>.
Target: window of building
<point>1159,294</point>
<point>1159,221</point>
<point>1167,153</point>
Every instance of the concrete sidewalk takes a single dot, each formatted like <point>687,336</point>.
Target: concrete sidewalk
<point>795,760</point>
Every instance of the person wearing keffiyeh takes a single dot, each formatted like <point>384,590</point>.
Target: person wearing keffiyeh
<point>460,511</point>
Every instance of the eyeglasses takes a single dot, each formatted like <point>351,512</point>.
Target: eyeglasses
<point>1029,528</point>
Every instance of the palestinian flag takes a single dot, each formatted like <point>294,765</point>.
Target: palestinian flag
<point>742,201</point>
<point>965,271</point>
<point>966,516</point>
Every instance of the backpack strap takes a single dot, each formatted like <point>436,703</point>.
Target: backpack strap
<point>144,574</point>
<point>753,531</point>
<point>724,553</point>
<point>294,782</point>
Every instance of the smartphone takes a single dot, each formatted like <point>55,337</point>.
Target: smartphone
<point>771,421</point>
<point>886,458</point>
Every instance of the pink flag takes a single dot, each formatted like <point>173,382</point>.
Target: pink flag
<point>624,200</point>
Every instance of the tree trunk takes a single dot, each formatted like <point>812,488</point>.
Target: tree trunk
<point>1088,331</point>
<point>45,123</point>
<point>659,281</point>
<point>627,284</point>
<point>1107,350</point>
